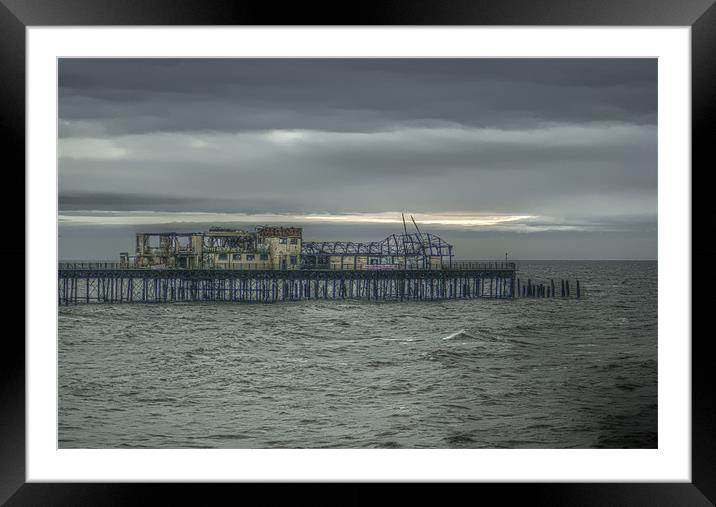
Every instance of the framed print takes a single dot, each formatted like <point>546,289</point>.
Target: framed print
<point>385,252</point>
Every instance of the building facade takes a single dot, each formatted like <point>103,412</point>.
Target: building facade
<point>219,248</point>
<point>283,248</point>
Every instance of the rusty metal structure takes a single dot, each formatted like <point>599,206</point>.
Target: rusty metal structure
<point>397,251</point>
<point>78,284</point>
<point>108,282</point>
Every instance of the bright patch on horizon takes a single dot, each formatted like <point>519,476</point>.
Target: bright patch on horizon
<point>150,217</point>
<point>464,219</point>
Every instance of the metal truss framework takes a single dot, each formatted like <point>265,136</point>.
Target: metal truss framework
<point>419,246</point>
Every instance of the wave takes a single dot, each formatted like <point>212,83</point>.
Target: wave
<point>459,334</point>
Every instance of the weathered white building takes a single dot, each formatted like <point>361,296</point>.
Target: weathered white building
<point>218,248</point>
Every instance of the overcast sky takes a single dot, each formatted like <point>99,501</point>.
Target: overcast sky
<point>549,158</point>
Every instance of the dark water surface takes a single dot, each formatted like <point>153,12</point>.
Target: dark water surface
<point>467,373</point>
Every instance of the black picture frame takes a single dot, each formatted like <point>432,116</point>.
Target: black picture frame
<point>700,15</point>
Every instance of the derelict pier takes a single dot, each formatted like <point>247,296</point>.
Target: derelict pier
<point>273,263</point>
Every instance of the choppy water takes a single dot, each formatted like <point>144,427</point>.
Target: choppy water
<point>470,373</point>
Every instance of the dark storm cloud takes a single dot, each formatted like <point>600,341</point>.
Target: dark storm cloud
<point>571,143</point>
<point>432,169</point>
<point>116,201</point>
<point>128,201</point>
<point>140,96</point>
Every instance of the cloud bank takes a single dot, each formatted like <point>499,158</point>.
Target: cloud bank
<point>563,145</point>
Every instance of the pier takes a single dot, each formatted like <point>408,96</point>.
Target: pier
<point>108,282</point>
<point>80,284</point>
<point>274,263</point>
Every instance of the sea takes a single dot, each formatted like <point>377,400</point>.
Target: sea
<point>477,373</point>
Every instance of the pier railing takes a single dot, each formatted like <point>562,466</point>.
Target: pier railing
<point>455,265</point>
<point>89,265</point>
<point>483,265</point>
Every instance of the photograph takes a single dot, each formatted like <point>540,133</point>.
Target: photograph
<point>435,242</point>
<point>357,253</point>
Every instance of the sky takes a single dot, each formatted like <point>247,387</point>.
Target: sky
<point>543,159</point>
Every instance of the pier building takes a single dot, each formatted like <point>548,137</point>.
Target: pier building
<point>218,248</point>
<point>283,248</point>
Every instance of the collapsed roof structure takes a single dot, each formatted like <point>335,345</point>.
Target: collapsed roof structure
<point>417,250</point>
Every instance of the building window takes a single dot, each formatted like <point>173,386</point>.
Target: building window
<point>282,241</point>
<point>237,257</point>
<point>293,260</point>
<point>264,257</point>
<point>294,241</point>
<point>249,257</point>
<point>223,257</point>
